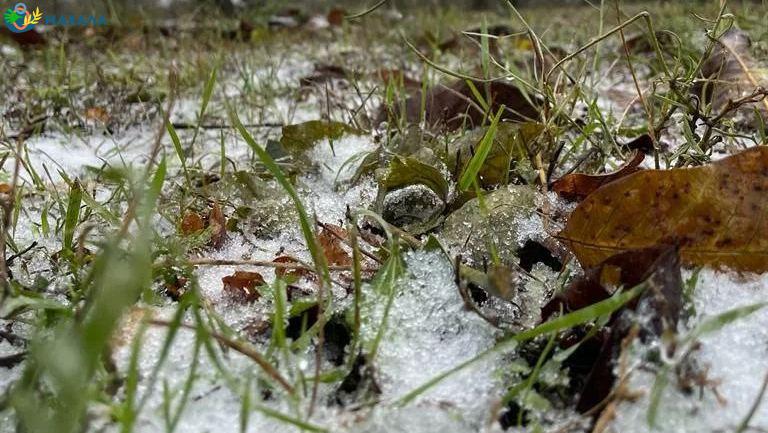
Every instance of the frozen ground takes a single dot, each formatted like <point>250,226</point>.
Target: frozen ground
<point>430,331</point>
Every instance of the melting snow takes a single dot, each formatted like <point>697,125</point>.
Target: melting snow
<point>733,359</point>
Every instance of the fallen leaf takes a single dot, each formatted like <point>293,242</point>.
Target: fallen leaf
<point>336,16</point>
<point>714,214</point>
<point>398,77</point>
<point>191,223</point>
<point>733,73</point>
<point>626,269</point>
<point>330,242</point>
<point>5,188</point>
<point>323,74</point>
<point>30,38</point>
<point>175,285</point>
<point>412,195</point>
<point>301,137</point>
<point>577,186</point>
<point>241,286</point>
<point>591,364</point>
<point>218,224</point>
<point>453,106</point>
<point>97,113</point>
<point>511,143</point>
<point>287,272</point>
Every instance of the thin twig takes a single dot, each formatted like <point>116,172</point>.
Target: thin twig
<point>183,125</point>
<point>237,346</point>
<point>266,264</point>
<point>367,11</point>
<point>744,424</point>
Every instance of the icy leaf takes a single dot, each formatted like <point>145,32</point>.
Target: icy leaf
<point>241,285</point>
<point>713,213</point>
<point>298,138</point>
<point>191,223</point>
<point>577,186</point>
<point>412,195</point>
<point>410,171</point>
<point>511,219</point>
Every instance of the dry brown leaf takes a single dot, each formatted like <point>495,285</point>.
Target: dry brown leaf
<point>397,76</point>
<point>30,38</point>
<point>175,286</point>
<point>734,74</point>
<point>714,213</point>
<point>336,16</point>
<point>453,106</point>
<point>97,113</point>
<point>241,286</point>
<point>191,223</point>
<point>5,188</point>
<point>330,241</point>
<point>577,186</point>
<point>324,73</point>
<point>287,272</point>
<point>218,224</point>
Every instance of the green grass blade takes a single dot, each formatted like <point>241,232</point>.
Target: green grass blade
<point>476,163</point>
<point>569,320</point>
<point>179,151</point>
<point>306,227</point>
<point>207,93</point>
<point>303,425</point>
<point>73,214</point>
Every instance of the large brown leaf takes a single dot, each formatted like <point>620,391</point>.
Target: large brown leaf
<point>714,213</point>
<point>734,74</point>
<point>449,107</point>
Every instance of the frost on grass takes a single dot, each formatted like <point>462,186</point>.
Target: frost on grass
<point>730,361</point>
<point>428,332</point>
<point>326,191</point>
<point>213,400</point>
